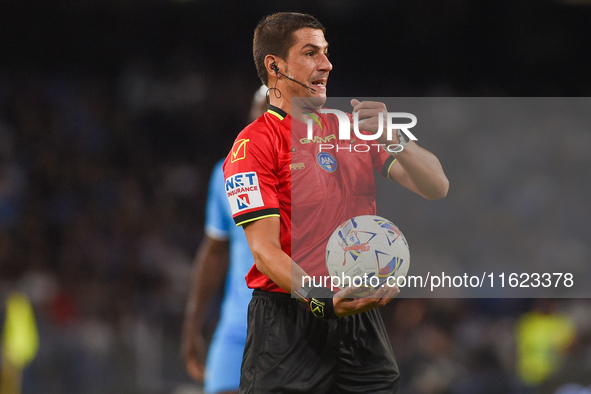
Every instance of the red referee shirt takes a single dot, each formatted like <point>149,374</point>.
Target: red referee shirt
<point>312,187</point>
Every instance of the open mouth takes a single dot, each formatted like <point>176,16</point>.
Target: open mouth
<point>319,83</point>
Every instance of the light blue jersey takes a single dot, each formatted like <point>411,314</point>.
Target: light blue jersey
<point>225,353</point>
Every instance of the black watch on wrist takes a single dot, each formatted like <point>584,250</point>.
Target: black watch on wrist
<point>403,138</point>
<point>319,300</point>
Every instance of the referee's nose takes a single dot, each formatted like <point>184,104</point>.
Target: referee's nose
<point>324,64</point>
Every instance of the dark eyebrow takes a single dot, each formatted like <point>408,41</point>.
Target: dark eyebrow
<point>314,46</point>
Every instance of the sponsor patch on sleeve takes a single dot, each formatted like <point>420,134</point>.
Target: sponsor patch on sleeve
<point>238,150</point>
<point>243,192</point>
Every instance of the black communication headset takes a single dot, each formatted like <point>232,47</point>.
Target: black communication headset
<point>275,68</point>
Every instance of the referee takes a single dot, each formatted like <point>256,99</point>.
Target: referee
<point>304,339</point>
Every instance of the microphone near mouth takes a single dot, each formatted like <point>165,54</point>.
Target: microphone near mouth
<point>275,68</point>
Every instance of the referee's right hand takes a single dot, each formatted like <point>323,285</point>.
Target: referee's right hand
<point>347,303</point>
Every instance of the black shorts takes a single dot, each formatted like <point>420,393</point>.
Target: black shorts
<point>288,350</point>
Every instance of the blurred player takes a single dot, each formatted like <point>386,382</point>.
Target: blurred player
<point>221,372</point>
<point>327,343</point>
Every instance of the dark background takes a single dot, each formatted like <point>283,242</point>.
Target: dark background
<point>113,113</point>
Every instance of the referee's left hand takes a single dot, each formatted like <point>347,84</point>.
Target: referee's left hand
<point>346,303</point>
<point>369,119</point>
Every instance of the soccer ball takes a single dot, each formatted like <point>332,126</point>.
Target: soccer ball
<point>365,251</point>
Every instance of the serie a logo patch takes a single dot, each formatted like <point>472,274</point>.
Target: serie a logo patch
<point>326,161</point>
<point>243,191</point>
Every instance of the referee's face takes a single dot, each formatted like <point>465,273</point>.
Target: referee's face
<point>307,62</point>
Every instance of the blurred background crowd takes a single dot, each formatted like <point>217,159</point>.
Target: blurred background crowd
<point>112,115</point>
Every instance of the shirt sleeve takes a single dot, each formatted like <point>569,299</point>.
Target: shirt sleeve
<point>382,161</point>
<point>251,181</point>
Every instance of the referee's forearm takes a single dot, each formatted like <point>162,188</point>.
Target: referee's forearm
<point>424,172</point>
<point>263,238</point>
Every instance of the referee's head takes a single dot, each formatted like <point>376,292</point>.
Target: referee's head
<point>274,36</point>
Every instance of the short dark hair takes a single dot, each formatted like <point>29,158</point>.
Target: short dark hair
<point>274,36</point>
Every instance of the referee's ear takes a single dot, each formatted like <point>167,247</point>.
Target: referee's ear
<point>272,67</point>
